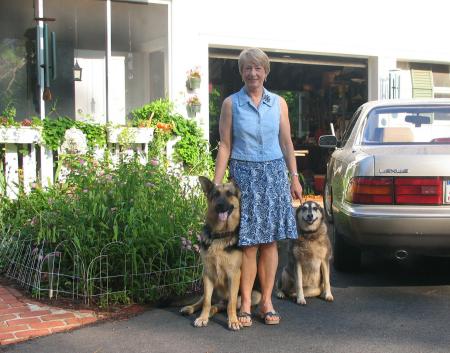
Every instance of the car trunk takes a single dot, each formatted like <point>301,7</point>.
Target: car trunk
<point>410,160</point>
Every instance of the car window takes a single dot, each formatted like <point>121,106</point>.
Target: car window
<point>350,126</point>
<point>408,125</point>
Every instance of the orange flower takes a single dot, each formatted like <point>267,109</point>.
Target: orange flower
<point>164,126</point>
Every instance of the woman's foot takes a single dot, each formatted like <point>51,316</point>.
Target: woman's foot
<point>245,318</point>
<point>268,314</point>
<point>271,318</point>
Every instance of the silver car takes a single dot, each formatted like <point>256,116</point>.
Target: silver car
<point>388,181</point>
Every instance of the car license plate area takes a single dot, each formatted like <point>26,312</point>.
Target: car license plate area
<point>447,191</point>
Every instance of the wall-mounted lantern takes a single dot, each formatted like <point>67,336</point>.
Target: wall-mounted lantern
<point>77,71</point>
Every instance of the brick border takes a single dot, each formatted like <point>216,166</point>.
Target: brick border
<point>22,319</point>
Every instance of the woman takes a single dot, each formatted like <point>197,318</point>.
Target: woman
<point>255,138</point>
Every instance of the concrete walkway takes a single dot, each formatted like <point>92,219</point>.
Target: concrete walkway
<point>22,318</point>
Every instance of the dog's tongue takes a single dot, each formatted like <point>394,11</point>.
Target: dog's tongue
<point>223,216</point>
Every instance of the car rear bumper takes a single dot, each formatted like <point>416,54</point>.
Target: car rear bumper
<point>422,229</point>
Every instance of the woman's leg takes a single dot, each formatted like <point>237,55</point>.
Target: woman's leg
<point>248,275</point>
<point>267,269</point>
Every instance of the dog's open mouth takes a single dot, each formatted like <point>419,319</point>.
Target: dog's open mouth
<point>310,220</point>
<point>223,216</point>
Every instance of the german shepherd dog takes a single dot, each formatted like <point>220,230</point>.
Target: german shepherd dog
<point>307,273</point>
<point>220,254</point>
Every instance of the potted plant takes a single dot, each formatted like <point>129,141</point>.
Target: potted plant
<point>14,132</point>
<point>193,106</point>
<point>126,134</point>
<point>194,78</point>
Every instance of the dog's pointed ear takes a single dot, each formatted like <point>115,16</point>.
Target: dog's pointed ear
<point>206,184</point>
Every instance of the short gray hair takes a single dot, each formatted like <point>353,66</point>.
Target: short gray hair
<point>254,56</point>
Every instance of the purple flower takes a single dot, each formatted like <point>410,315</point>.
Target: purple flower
<point>154,162</point>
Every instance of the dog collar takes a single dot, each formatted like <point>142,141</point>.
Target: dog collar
<point>308,231</point>
<point>210,235</point>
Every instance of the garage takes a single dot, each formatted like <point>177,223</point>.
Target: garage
<point>319,90</point>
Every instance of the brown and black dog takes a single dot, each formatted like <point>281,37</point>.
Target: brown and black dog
<point>307,273</point>
<point>220,254</point>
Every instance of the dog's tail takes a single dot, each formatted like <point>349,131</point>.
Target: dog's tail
<point>256,298</point>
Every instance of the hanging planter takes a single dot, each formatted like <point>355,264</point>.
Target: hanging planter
<point>194,82</point>
<point>193,78</point>
<point>193,106</point>
<point>193,109</point>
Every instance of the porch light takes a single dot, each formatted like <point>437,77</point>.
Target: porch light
<point>77,70</point>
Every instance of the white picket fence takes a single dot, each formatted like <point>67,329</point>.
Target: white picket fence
<point>26,160</point>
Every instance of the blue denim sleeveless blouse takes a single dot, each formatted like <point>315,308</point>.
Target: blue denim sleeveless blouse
<point>255,130</point>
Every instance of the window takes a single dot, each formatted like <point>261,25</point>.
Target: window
<point>138,65</point>
<point>408,125</point>
<point>350,127</point>
<point>17,58</point>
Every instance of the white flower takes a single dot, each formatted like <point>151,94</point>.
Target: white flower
<point>74,142</point>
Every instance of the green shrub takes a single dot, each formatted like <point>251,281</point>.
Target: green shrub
<point>141,207</point>
<point>192,150</point>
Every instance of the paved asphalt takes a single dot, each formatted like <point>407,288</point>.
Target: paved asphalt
<point>387,307</point>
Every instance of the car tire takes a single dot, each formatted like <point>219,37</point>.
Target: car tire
<point>328,202</point>
<point>346,257</point>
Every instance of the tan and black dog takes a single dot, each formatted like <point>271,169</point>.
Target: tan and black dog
<point>307,273</point>
<point>220,254</point>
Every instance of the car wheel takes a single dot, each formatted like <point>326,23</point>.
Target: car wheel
<point>328,202</point>
<point>346,257</point>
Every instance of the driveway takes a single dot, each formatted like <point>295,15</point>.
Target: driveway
<point>387,307</point>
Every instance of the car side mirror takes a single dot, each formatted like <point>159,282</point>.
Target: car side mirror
<point>328,141</point>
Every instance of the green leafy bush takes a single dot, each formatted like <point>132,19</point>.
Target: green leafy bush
<point>140,208</point>
<point>192,150</point>
<point>54,130</point>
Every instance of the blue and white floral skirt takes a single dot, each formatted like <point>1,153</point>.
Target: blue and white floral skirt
<point>267,214</point>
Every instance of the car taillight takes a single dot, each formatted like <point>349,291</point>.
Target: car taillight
<point>370,190</point>
<point>395,190</point>
<point>418,191</point>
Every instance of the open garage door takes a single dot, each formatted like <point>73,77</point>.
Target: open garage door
<point>319,90</point>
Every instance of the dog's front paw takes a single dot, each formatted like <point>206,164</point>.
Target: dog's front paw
<point>329,297</point>
<point>234,324</point>
<point>280,294</point>
<point>301,300</point>
<point>201,322</point>
<point>187,310</point>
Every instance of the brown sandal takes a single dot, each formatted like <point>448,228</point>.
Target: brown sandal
<point>271,318</point>
<point>248,322</point>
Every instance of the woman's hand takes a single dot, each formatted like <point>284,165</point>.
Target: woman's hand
<point>296,189</point>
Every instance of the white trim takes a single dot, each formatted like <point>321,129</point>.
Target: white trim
<point>441,89</point>
<point>40,54</point>
<point>319,61</point>
<point>107,58</point>
<point>169,76</point>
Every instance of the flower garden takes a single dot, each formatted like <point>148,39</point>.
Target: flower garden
<point>110,231</point>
